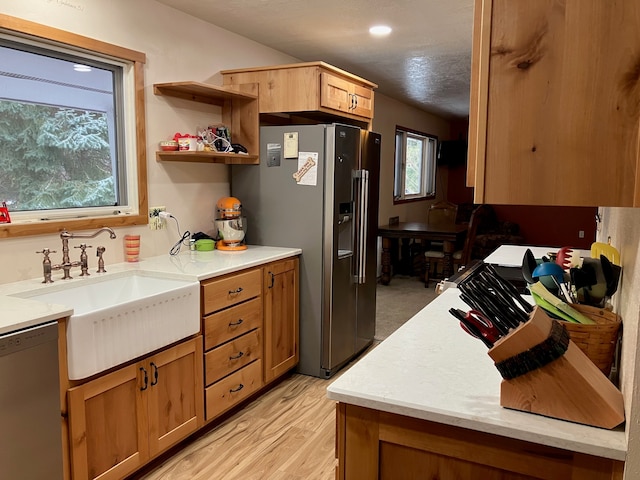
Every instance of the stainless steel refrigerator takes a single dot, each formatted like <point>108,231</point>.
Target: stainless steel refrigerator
<point>316,188</point>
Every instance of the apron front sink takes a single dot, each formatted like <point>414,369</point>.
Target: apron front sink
<point>122,317</point>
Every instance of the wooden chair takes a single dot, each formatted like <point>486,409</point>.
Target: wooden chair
<point>460,257</point>
<point>442,212</point>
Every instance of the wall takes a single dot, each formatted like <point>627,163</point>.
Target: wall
<point>388,114</point>
<point>180,47</point>
<point>622,226</point>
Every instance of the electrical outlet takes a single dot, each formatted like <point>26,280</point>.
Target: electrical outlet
<point>581,234</point>
<point>155,222</point>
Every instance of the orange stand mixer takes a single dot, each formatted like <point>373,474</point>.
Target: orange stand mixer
<point>231,225</point>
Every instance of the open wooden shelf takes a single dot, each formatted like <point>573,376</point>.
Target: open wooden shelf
<point>239,113</point>
<point>207,157</point>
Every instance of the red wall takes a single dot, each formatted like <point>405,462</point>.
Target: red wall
<point>539,225</point>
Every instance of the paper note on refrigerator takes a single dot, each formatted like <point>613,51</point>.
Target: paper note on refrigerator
<point>307,173</point>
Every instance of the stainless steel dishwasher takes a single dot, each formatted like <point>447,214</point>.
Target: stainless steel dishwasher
<point>30,426</point>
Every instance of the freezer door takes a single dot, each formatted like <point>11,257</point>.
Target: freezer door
<point>339,328</point>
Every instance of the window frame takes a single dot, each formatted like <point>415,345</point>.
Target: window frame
<point>23,28</point>
<point>402,167</point>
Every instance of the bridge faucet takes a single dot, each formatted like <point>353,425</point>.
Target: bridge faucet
<point>67,264</point>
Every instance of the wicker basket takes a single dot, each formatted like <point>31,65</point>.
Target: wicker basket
<point>598,341</point>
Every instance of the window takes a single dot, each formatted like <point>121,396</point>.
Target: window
<point>72,131</point>
<point>415,166</point>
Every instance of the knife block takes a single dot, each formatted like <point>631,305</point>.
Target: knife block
<point>569,388</point>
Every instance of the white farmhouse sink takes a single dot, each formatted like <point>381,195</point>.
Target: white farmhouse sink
<point>119,318</point>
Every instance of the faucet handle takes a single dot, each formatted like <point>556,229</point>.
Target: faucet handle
<point>83,246</point>
<point>99,251</point>
<point>46,251</point>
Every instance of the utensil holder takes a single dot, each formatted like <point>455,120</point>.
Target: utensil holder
<point>598,342</point>
<point>571,387</point>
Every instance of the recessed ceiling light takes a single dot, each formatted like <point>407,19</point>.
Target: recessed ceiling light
<point>82,68</point>
<point>380,30</point>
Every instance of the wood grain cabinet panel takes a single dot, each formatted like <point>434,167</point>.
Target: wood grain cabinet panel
<point>230,290</point>
<point>375,445</point>
<point>309,90</point>
<point>231,390</point>
<point>340,94</point>
<point>118,421</point>
<point>231,356</point>
<point>281,322</point>
<point>555,103</point>
<point>256,329</point>
<point>220,327</point>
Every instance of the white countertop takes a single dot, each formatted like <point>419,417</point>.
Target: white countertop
<point>511,255</point>
<point>431,369</point>
<point>18,313</point>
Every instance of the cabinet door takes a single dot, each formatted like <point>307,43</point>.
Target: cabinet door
<point>557,110</point>
<point>363,101</point>
<point>280,318</point>
<point>104,419</point>
<point>175,394</point>
<point>340,94</point>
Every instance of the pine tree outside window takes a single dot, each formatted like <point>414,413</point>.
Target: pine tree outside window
<point>71,139</point>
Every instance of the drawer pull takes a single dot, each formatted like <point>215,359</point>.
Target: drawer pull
<point>235,357</point>
<point>237,389</point>
<point>236,291</point>
<point>236,323</point>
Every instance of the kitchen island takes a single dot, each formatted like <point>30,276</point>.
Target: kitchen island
<point>425,403</point>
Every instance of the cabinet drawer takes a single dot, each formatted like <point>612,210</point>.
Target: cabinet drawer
<point>231,356</point>
<point>223,326</point>
<point>218,294</point>
<point>226,393</point>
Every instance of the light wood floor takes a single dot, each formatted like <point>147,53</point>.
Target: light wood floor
<point>286,434</point>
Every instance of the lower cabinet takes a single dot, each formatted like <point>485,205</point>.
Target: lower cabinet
<point>281,311</point>
<point>250,325</point>
<point>375,445</point>
<point>119,421</point>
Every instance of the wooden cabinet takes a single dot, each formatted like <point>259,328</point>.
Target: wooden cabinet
<point>555,103</point>
<point>375,445</point>
<point>339,93</point>
<point>250,325</point>
<point>233,326</point>
<point>281,322</point>
<point>239,113</point>
<point>119,421</point>
<point>313,90</point>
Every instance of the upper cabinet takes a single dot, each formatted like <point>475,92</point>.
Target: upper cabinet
<point>555,103</point>
<point>239,113</point>
<point>314,90</point>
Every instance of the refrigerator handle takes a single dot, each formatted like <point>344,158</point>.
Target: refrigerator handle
<point>362,215</point>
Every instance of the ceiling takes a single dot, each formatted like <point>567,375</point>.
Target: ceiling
<point>425,62</point>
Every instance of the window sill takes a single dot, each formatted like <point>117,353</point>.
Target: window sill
<point>11,230</point>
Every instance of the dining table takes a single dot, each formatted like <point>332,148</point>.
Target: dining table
<point>450,234</point>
